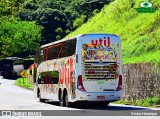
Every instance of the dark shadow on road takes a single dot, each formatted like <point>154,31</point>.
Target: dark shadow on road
<point>53,103</point>
<point>109,107</point>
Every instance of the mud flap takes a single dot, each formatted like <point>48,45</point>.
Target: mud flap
<point>73,88</point>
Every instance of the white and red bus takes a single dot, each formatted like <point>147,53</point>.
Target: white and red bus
<point>86,68</point>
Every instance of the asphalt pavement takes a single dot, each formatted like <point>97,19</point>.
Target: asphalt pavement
<point>15,98</point>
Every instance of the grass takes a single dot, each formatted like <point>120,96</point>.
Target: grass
<point>146,57</point>
<point>139,32</point>
<point>147,102</point>
<point>23,82</point>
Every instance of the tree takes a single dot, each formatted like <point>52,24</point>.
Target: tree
<point>10,7</point>
<point>18,38</point>
<point>66,15</point>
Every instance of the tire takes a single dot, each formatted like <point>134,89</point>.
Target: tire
<point>68,104</point>
<point>42,100</point>
<point>64,101</point>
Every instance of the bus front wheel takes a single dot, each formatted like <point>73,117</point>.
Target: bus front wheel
<point>40,99</point>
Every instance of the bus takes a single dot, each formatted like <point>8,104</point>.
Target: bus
<point>84,69</point>
<point>11,67</point>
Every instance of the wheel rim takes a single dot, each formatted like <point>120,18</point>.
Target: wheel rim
<point>66,101</point>
<point>62,101</point>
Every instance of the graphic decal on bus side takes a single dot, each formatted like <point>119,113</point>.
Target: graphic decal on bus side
<point>65,68</point>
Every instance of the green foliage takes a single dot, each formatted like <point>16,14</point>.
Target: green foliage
<point>59,14</point>
<point>18,37</point>
<point>23,82</point>
<point>147,102</point>
<point>146,57</point>
<point>56,18</point>
<point>79,21</point>
<point>10,7</point>
<point>139,32</point>
<point>126,102</point>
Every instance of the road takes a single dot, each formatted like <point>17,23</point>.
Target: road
<point>16,98</point>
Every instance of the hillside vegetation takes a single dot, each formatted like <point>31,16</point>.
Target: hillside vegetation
<point>26,24</point>
<point>18,38</point>
<point>59,17</point>
<point>139,32</point>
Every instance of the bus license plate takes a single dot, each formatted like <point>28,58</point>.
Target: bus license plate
<point>100,97</point>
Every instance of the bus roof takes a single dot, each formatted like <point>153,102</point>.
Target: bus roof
<point>56,42</point>
<point>65,39</point>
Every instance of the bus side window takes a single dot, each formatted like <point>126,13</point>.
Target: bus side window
<point>69,48</point>
<point>45,54</point>
<point>54,77</point>
<point>39,79</point>
<point>42,78</point>
<point>63,54</point>
<point>53,52</point>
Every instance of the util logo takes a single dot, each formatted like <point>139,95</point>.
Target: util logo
<point>105,42</point>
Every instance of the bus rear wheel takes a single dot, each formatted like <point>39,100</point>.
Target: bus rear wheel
<point>68,104</point>
<point>64,101</point>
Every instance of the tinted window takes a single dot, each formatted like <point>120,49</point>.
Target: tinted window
<point>54,77</point>
<point>54,51</point>
<point>51,77</point>
<point>45,54</point>
<point>69,48</point>
<point>42,78</point>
